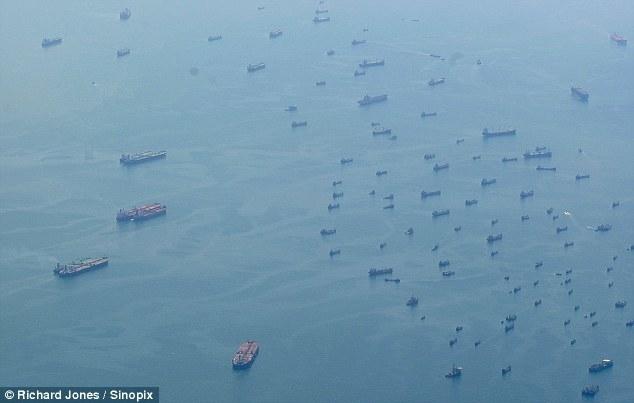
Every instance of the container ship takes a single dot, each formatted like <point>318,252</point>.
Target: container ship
<point>132,159</point>
<point>125,14</point>
<point>367,99</point>
<point>244,357</point>
<point>142,213</point>
<point>618,39</point>
<point>255,67</point>
<point>371,63</point>
<point>46,42</point>
<point>486,133</point>
<point>123,52</point>
<point>580,93</point>
<point>84,265</point>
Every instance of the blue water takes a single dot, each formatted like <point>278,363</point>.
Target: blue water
<point>238,255</point>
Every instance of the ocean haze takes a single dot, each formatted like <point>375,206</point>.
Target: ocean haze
<point>239,255</point>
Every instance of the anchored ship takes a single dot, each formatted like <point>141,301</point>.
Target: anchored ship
<point>302,123</point>
<point>371,63</point>
<point>245,355</point>
<point>125,14</point>
<point>435,81</point>
<point>438,213</point>
<point>487,133</point>
<point>84,265</point>
<point>142,213</point>
<point>580,93</point>
<point>439,167</point>
<point>213,38</point>
<point>379,272</point>
<point>424,194</point>
<point>454,373</point>
<point>493,238</point>
<point>358,42</point>
<point>275,33</point>
<point>603,365</point>
<point>255,67</point>
<point>319,19</point>
<point>358,73</point>
<point>524,194</point>
<point>537,154</point>
<point>132,159</point>
<point>381,131</point>
<point>487,182</point>
<point>426,114</point>
<point>46,42</point>
<point>367,99</point>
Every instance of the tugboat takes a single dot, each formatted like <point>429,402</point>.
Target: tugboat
<point>506,370</point>
<point>603,365</point>
<point>494,221</point>
<point>393,280</point>
<point>326,232</point>
<point>525,194</point>
<point>439,167</point>
<point>425,194</point>
<point>618,39</point>
<point>412,301</point>
<point>433,82</point>
<point>579,93</point>
<point>458,228</point>
<point>302,123</point>
<point>590,390</point>
<point>389,207</point>
<point>487,182</point>
<point>46,42</point>
<point>455,372</point>
<point>486,133</point>
<point>255,67</point>
<point>538,302</point>
<point>125,14</point>
<point>245,355</point>
<point>438,213</point>
<point>476,157</point>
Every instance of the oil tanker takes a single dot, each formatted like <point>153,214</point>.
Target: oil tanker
<point>142,213</point>
<point>84,265</point>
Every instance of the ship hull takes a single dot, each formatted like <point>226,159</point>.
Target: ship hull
<point>87,269</point>
<point>136,161</point>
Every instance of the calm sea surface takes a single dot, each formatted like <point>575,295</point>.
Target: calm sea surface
<point>239,256</point>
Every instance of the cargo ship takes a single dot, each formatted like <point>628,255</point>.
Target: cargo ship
<point>125,14</point>
<point>123,52</point>
<point>487,182</point>
<point>439,167</point>
<point>326,232</point>
<point>214,38</point>
<point>487,133</point>
<point>580,93</point>
<point>275,33</point>
<point>371,63</point>
<point>493,238</point>
<point>46,42</point>
<point>579,177</point>
<point>302,123</point>
<point>84,265</point>
<point>438,213</point>
<point>524,194</point>
<point>142,213</point>
<point>291,108</point>
<point>618,39</point>
<point>603,228</point>
<point>427,114</point>
<point>255,67</point>
<point>537,154</point>
<point>319,19</point>
<point>381,131</point>
<point>604,364</point>
<point>424,194</point>
<point>356,42</point>
<point>321,11</point>
<point>435,81</point>
<point>132,159</point>
<point>358,73</point>
<point>367,99</point>
<point>541,168</point>
<point>428,157</point>
<point>245,355</point>
<point>470,202</point>
<point>379,272</point>
<point>346,161</point>
<point>509,159</point>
